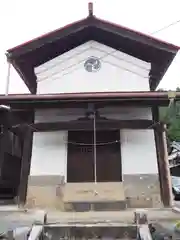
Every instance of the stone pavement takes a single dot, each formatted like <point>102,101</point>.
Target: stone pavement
<point>14,218</point>
<point>126,216</point>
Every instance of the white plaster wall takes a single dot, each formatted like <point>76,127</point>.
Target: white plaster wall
<point>138,152</point>
<point>66,73</point>
<point>49,153</point>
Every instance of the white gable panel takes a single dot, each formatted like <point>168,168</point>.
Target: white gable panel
<point>119,72</point>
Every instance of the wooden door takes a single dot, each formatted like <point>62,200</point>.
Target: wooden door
<point>108,156</point>
<point>80,164</point>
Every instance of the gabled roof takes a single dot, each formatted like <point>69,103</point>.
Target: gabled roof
<point>46,47</point>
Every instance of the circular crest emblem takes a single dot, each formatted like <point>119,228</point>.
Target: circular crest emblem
<point>92,64</point>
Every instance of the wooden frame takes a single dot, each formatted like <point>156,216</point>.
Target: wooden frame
<point>88,125</point>
<point>27,135</point>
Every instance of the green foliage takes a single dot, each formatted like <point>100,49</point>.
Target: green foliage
<point>171,115</point>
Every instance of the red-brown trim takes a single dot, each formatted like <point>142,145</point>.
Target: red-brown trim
<point>140,33</point>
<point>44,35</point>
<point>103,21</point>
<point>81,100</point>
<point>89,95</point>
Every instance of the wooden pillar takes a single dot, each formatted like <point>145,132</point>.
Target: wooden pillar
<point>168,182</point>
<point>26,161</point>
<point>164,165</point>
<point>155,114</point>
<point>3,138</point>
<point>162,159</point>
<point>2,147</point>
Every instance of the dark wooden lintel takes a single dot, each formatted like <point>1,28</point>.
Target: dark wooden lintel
<point>88,125</point>
<point>10,120</point>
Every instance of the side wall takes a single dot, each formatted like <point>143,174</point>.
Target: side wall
<point>118,72</point>
<point>49,159</point>
<point>48,169</point>
<point>140,169</point>
<point>49,154</point>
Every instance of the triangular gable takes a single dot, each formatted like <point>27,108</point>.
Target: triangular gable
<point>118,71</point>
<point>44,48</point>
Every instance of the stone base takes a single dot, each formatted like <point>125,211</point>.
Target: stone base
<point>45,192</point>
<point>95,206</point>
<point>94,192</point>
<point>142,190</point>
<point>137,191</point>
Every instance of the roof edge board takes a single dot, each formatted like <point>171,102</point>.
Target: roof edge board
<point>141,34</point>
<point>88,22</point>
<point>128,33</point>
<point>92,95</point>
<point>47,38</point>
<point>31,88</point>
<point>154,84</point>
<point>23,51</point>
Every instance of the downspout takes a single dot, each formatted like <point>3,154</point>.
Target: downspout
<point>8,78</point>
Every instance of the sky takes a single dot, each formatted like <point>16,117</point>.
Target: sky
<point>21,21</point>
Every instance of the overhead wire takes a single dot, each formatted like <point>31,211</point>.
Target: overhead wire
<point>110,53</point>
<point>166,27</point>
<point>171,95</point>
<point>159,30</point>
<point>81,61</point>
<point>77,63</point>
<point>101,58</point>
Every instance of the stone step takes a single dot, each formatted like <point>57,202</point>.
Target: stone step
<point>95,206</point>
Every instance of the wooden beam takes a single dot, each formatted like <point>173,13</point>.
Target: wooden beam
<point>10,120</point>
<point>3,144</point>
<point>88,125</point>
<point>31,105</point>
